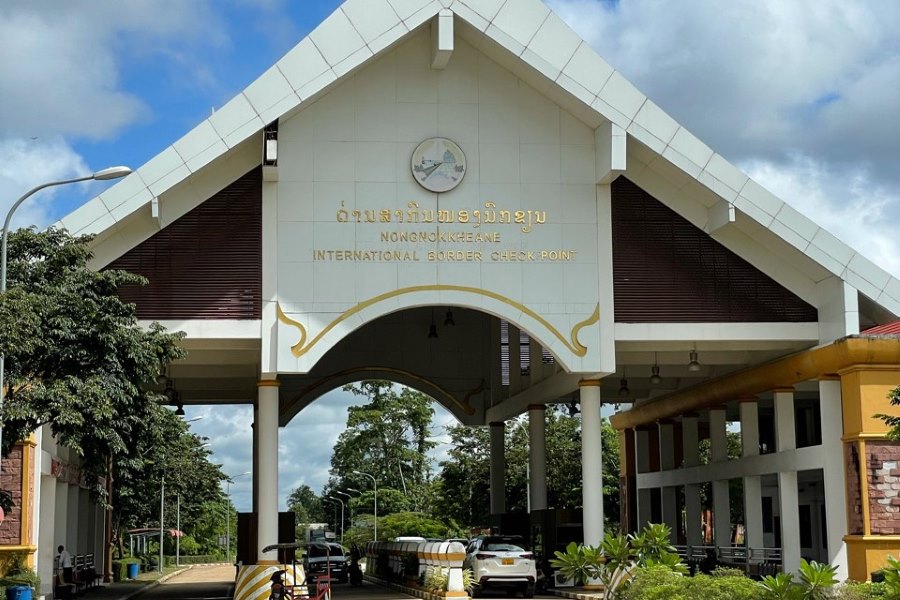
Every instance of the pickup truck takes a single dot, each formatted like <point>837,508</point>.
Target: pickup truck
<point>322,556</point>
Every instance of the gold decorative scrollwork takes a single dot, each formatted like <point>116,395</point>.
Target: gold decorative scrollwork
<point>572,343</point>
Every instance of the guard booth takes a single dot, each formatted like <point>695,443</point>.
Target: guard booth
<point>247,535</point>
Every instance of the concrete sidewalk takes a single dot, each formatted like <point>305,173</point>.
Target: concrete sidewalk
<point>125,590</point>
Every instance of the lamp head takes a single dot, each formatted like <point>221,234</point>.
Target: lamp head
<point>111,173</point>
<point>694,364</point>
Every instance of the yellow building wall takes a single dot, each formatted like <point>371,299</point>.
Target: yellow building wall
<point>868,553</point>
<point>864,391</point>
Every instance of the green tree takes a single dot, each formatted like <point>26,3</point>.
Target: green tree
<point>387,437</point>
<point>893,421</point>
<point>464,479</point>
<point>611,484</point>
<point>465,476</point>
<point>169,450</point>
<point>76,358</point>
<point>307,505</point>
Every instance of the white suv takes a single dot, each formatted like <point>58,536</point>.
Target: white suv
<point>501,562</point>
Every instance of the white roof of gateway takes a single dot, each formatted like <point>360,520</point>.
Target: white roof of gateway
<point>533,42</point>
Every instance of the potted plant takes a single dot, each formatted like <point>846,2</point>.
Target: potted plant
<point>21,581</point>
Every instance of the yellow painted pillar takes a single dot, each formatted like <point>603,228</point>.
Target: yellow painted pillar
<point>873,462</point>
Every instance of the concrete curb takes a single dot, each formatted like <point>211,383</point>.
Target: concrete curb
<point>577,595</point>
<point>153,584</point>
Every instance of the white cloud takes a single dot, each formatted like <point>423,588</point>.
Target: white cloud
<point>67,79</point>
<point>305,445</point>
<point>802,93</point>
<point>846,204</point>
<point>25,164</point>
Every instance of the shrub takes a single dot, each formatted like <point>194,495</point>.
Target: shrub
<point>859,591</point>
<point>722,587</point>
<point>120,568</point>
<point>727,572</point>
<point>892,578</point>
<point>615,561</point>
<point>655,583</point>
<point>436,579</point>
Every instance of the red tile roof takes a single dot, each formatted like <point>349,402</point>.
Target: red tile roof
<point>886,329</point>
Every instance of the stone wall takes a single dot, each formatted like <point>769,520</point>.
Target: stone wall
<point>883,461</point>
<point>854,498</point>
<point>11,480</point>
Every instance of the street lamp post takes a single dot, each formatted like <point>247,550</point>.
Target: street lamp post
<point>349,497</point>
<point>162,509</point>
<point>375,483</point>
<point>110,173</point>
<point>342,515</point>
<point>228,483</point>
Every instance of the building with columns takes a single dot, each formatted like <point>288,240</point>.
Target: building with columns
<point>461,196</point>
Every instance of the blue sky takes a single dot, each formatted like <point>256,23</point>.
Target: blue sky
<point>802,95</point>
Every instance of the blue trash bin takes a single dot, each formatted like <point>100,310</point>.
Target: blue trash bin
<point>18,592</point>
<point>133,570</point>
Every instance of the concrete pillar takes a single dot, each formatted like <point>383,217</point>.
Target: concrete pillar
<point>267,424</point>
<point>788,504</point>
<point>591,462</point>
<point>692,509</point>
<point>498,468</point>
<point>788,501</point>
<point>537,457</point>
<point>834,474</point>
<point>721,501</point>
<point>785,430</point>
<point>642,462</point>
<point>668,495</point>
<point>46,541</point>
<point>255,461</point>
<point>753,519</point>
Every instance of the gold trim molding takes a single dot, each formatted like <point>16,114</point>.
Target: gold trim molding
<point>572,343</point>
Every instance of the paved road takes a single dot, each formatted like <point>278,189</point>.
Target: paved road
<point>216,582</point>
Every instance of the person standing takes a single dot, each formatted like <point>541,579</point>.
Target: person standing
<point>65,563</point>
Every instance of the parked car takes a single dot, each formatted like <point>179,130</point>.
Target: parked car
<point>502,562</point>
<point>324,556</point>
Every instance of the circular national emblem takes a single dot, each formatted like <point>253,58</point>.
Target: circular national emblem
<point>438,164</point>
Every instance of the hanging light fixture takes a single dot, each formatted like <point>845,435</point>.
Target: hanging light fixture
<point>432,329</point>
<point>623,387</point>
<point>180,410</point>
<point>694,365</point>
<point>448,319</point>
<point>654,371</point>
<point>573,408</point>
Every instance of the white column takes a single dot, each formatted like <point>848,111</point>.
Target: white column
<point>721,500</point>
<point>498,468</point>
<point>788,501</point>
<point>834,474</point>
<point>752,485</point>
<point>537,457</point>
<point>785,431</point>
<point>669,495</point>
<point>267,463</point>
<point>591,462</point>
<point>692,509</point>
<point>642,465</point>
